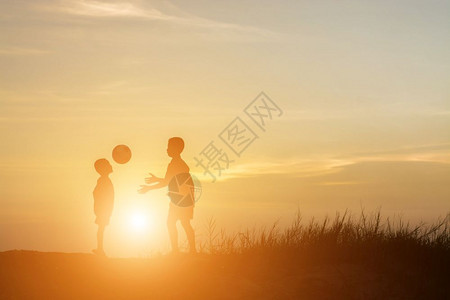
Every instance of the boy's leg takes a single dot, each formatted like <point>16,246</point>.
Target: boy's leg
<point>190,234</point>
<point>173,234</point>
<point>101,229</point>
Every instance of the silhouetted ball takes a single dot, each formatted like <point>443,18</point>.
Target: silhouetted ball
<point>121,154</point>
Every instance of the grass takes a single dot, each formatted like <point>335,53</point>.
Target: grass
<point>407,260</point>
<point>345,257</point>
<point>364,235</point>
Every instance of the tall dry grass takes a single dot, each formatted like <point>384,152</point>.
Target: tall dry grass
<point>366,235</point>
<point>403,260</point>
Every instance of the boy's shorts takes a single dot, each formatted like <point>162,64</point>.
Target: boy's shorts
<point>180,213</point>
<point>102,219</point>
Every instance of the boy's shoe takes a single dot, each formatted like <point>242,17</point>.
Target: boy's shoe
<point>99,252</point>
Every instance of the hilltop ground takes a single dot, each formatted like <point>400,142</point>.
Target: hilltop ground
<point>340,259</point>
<point>38,275</point>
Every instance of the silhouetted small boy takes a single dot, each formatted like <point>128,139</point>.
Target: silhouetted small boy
<point>103,201</point>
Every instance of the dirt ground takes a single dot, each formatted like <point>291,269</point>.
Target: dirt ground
<point>38,275</point>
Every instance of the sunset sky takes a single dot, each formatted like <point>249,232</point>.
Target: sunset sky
<point>363,85</point>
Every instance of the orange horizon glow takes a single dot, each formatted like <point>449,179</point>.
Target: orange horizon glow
<point>363,88</point>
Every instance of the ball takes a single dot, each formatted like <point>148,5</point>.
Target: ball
<point>121,154</point>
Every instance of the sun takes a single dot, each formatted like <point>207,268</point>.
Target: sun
<point>139,221</point>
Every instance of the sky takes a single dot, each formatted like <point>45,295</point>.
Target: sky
<point>363,87</point>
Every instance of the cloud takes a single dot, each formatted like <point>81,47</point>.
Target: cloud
<point>19,51</point>
<point>442,113</point>
<point>103,9</point>
<point>332,183</point>
<point>131,9</point>
<point>308,168</point>
<point>426,153</point>
<point>298,168</point>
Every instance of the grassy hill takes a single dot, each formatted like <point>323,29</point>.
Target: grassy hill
<point>339,259</point>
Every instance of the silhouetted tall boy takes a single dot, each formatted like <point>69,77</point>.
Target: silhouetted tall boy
<point>178,193</point>
<point>103,201</point>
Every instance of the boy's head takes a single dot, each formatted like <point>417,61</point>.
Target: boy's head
<point>103,167</point>
<point>175,146</point>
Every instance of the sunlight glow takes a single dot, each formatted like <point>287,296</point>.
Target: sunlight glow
<point>139,222</point>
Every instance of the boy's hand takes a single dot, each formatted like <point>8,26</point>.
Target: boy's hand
<point>152,179</point>
<point>144,189</point>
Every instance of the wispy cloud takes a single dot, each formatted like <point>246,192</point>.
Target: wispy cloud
<point>132,9</point>
<point>291,167</point>
<point>302,168</point>
<point>430,153</point>
<point>442,113</point>
<point>333,183</point>
<point>19,51</point>
<point>103,9</point>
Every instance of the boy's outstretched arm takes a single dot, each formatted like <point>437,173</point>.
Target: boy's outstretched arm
<point>162,182</point>
<point>145,188</point>
<point>153,179</point>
